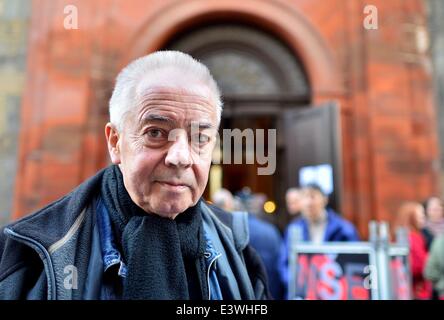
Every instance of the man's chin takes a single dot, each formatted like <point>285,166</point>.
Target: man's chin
<point>169,210</point>
<point>167,215</point>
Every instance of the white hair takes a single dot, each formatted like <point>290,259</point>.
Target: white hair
<point>125,97</point>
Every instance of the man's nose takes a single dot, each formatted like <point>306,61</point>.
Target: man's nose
<point>179,152</point>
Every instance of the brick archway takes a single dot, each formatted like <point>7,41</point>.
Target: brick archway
<point>282,20</point>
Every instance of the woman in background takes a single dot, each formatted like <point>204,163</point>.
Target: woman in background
<point>411,216</point>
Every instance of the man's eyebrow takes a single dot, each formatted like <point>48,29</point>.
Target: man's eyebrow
<point>167,120</point>
<point>156,117</point>
<point>202,125</point>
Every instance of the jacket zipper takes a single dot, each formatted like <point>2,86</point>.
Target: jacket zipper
<point>37,246</point>
<point>208,274</point>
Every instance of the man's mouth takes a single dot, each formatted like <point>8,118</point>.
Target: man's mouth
<point>173,186</point>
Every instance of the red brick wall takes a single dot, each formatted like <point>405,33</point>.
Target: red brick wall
<point>382,82</point>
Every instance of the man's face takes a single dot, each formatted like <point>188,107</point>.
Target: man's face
<point>165,169</point>
<point>314,203</point>
<point>294,202</point>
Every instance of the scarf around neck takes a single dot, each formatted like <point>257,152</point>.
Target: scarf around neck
<point>163,255</point>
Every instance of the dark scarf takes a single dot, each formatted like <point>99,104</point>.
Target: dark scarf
<point>163,256</point>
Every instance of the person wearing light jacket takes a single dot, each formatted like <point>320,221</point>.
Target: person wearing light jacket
<point>434,270</point>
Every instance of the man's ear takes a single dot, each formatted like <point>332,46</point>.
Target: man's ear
<point>113,139</point>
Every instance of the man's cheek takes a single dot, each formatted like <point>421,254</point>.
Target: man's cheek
<point>140,181</point>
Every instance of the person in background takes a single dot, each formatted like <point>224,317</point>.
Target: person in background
<point>264,236</point>
<point>317,223</point>
<point>434,270</point>
<point>412,217</point>
<point>267,240</point>
<point>435,219</point>
<point>428,236</point>
<point>293,200</point>
<point>320,223</point>
<point>223,199</point>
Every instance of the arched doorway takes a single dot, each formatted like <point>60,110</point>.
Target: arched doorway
<point>260,78</point>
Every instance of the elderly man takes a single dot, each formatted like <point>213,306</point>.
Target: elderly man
<point>139,228</point>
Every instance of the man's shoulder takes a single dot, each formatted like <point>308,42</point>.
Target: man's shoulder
<point>337,218</point>
<point>225,217</point>
<point>237,222</point>
<point>345,226</point>
<point>22,242</point>
<point>51,222</point>
<point>298,221</point>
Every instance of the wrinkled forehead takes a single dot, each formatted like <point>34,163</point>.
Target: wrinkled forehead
<point>173,78</point>
<point>176,107</point>
<point>174,96</point>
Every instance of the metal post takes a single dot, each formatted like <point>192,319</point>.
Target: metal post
<point>402,237</point>
<point>295,236</point>
<point>383,262</point>
<point>373,231</point>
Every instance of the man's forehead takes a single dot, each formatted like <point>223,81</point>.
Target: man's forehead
<point>179,98</point>
<point>181,94</point>
<point>171,78</point>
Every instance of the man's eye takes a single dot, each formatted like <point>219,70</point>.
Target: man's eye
<point>155,133</point>
<point>201,138</point>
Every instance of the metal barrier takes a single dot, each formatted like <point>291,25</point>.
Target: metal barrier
<point>373,270</point>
